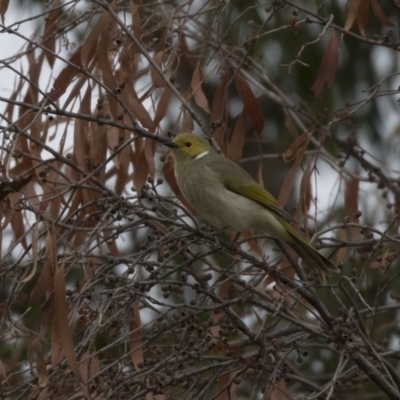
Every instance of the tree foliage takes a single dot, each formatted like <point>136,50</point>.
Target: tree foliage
<point>111,288</point>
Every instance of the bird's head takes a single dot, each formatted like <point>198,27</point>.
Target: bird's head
<point>188,147</point>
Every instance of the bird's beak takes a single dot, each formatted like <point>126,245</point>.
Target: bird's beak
<point>171,145</point>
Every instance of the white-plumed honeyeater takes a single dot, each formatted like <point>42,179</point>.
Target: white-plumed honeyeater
<point>228,197</point>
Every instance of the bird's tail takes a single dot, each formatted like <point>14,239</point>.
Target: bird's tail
<point>311,256</point>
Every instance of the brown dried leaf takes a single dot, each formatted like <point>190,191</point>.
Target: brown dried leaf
<point>76,90</point>
<point>306,191</point>
<point>141,170</point>
<point>66,76</point>
<point>198,94</point>
<point>89,45</point>
<point>219,100</point>
<point>328,67</point>
<point>89,368</point>
<point>296,150</point>
<point>104,63</point>
<point>41,369</point>
<point>187,123</point>
<point>136,22</point>
<point>138,110</point>
<point>158,79</point>
<point>44,394</point>
<point>296,147</point>
<point>35,248</point>
<point>376,8</point>
<point>162,106</point>
<point>50,27</point>
<point>362,16</point>
<point>3,9</point>
<point>45,282</point>
<point>17,221</point>
<point>217,115</point>
<point>124,157</point>
<point>61,321</point>
<point>55,351</point>
<point>135,336</point>
<point>352,14</point>
<point>81,146</point>
<point>277,391</point>
<point>226,387</point>
<point>2,369</point>
<point>250,103</point>
<point>238,138</point>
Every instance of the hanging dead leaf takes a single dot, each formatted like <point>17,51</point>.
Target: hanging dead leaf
<point>104,63</point>
<point>218,114</point>
<point>219,100</point>
<point>61,320</point>
<point>89,368</point>
<point>238,138</point>
<point>66,76</point>
<point>3,373</point>
<point>122,177</point>
<point>162,106</point>
<point>157,78</point>
<point>44,283</point>
<point>141,171</point>
<point>277,391</point>
<point>328,67</point>
<point>376,8</point>
<point>187,124</point>
<point>136,22</point>
<point>362,16</point>
<point>138,110</point>
<point>81,145</point>
<point>35,248</point>
<point>352,14</point>
<point>50,27</point>
<point>41,369</point>
<point>135,336</point>
<point>17,221</point>
<point>296,151</point>
<point>306,191</point>
<point>90,44</point>
<point>296,147</point>
<point>197,91</point>
<point>250,102</point>
<point>3,9</point>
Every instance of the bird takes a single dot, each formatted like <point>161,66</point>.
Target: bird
<point>224,194</point>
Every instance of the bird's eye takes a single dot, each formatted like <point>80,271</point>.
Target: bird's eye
<point>188,144</point>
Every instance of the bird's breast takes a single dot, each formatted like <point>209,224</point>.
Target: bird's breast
<point>206,193</point>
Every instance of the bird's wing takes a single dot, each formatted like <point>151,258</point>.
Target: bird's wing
<point>239,181</point>
<point>257,193</point>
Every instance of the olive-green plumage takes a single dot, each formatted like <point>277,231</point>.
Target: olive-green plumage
<point>228,197</point>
